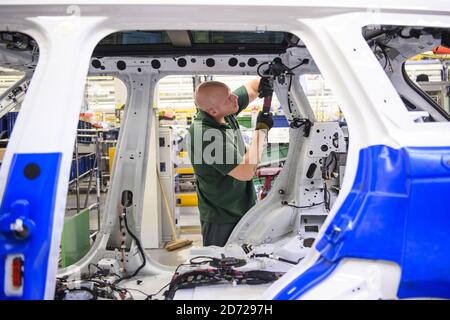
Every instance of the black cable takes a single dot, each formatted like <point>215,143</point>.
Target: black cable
<point>300,64</point>
<point>289,93</point>
<point>326,197</point>
<point>287,261</point>
<point>191,279</point>
<point>334,159</point>
<point>266,255</point>
<point>386,59</point>
<point>291,74</point>
<point>93,264</point>
<point>138,243</point>
<point>290,82</point>
<point>132,289</point>
<point>101,283</point>
<point>112,286</point>
<point>191,261</point>
<point>382,47</point>
<point>150,296</point>
<point>391,69</point>
<point>254,277</point>
<point>376,45</point>
<point>176,270</point>
<point>297,207</point>
<point>197,278</point>
<point>288,70</point>
<point>296,122</point>
<point>259,68</point>
<point>202,277</point>
<point>183,264</point>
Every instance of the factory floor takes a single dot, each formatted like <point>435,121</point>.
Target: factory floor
<point>189,227</point>
<point>176,257</point>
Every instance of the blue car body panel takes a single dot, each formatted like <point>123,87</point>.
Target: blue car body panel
<point>396,211</point>
<point>30,195</point>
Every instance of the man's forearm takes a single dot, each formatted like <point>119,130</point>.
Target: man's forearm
<point>254,153</point>
<point>246,169</point>
<point>252,89</point>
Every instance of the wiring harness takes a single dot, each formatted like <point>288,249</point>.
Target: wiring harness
<point>219,271</point>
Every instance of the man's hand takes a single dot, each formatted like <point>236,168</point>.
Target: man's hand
<point>264,121</point>
<point>265,87</point>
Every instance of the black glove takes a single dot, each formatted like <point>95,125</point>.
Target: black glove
<point>265,87</point>
<point>264,121</point>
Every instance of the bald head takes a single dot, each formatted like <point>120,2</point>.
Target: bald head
<point>210,93</point>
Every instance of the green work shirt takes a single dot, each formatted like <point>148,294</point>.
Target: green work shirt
<point>221,198</point>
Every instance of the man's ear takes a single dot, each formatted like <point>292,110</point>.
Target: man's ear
<point>213,112</point>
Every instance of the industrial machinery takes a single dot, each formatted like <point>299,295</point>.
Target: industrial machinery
<point>316,234</point>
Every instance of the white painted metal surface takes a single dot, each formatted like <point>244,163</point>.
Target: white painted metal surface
<point>68,32</point>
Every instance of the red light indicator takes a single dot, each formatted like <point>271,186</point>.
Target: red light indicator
<point>17,264</point>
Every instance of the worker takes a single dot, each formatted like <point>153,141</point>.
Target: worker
<point>223,165</point>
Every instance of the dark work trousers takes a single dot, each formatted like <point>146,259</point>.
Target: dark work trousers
<point>216,234</point>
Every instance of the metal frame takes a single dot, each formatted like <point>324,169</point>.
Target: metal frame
<point>95,134</point>
<point>67,35</point>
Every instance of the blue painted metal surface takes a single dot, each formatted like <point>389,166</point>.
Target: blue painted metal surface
<point>397,211</point>
<point>30,197</point>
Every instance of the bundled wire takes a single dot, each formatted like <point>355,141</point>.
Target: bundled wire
<point>327,163</point>
<point>280,68</point>
<point>212,276</point>
<point>99,289</point>
<point>380,44</point>
<point>138,244</point>
<point>220,270</point>
<point>326,197</point>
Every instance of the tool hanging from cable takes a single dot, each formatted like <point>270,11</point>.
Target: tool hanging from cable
<point>278,71</point>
